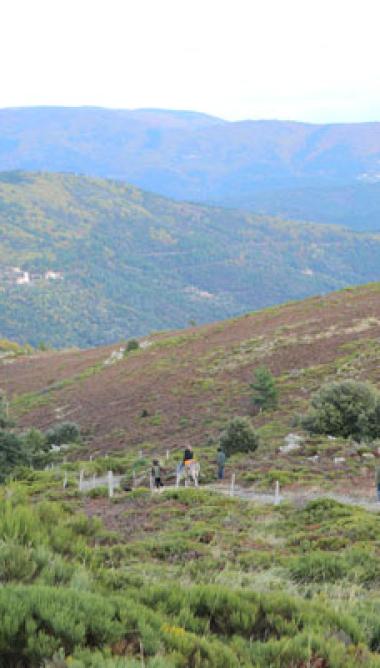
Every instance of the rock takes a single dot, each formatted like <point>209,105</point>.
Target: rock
<point>292,442</point>
<point>293,438</point>
<point>289,448</point>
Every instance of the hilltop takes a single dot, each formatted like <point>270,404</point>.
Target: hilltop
<point>88,261</point>
<point>188,383</point>
<point>276,167</point>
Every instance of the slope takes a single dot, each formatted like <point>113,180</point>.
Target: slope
<point>189,383</point>
<point>187,155</point>
<point>87,261</point>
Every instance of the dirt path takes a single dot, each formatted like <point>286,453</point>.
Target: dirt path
<point>297,498</point>
<point>300,498</point>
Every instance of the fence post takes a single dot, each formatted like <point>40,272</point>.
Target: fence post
<point>81,476</point>
<point>110,484</point>
<point>151,484</point>
<point>167,455</point>
<point>277,493</point>
<point>142,659</point>
<point>65,480</point>
<point>177,477</point>
<point>232,486</point>
<point>94,481</point>
<point>141,454</point>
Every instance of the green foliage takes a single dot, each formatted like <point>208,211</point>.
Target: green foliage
<point>13,349</point>
<point>347,408</point>
<point>4,418</point>
<point>239,436</point>
<point>132,344</point>
<point>12,453</point>
<point>86,227</point>
<point>74,594</point>
<point>265,392</point>
<point>65,432</point>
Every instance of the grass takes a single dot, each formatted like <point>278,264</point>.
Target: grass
<point>256,581</point>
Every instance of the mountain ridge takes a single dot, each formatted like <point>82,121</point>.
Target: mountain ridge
<point>99,260</point>
<point>193,156</point>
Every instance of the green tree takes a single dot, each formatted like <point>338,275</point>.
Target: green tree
<point>132,344</point>
<point>4,417</point>
<point>65,432</point>
<point>347,409</point>
<point>239,436</point>
<point>265,393</point>
<point>12,453</point>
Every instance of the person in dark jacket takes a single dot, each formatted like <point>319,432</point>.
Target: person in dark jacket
<point>156,474</point>
<point>221,462</point>
<point>188,455</point>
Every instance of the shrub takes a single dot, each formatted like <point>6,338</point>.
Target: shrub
<point>347,408</point>
<point>239,436</point>
<point>318,567</point>
<point>132,344</point>
<point>264,388</point>
<point>12,453</point>
<point>65,432</point>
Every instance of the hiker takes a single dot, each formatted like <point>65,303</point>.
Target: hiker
<point>188,455</point>
<point>221,461</point>
<point>377,480</point>
<point>156,474</point>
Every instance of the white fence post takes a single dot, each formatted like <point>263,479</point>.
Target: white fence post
<point>177,477</point>
<point>151,483</point>
<point>277,493</point>
<point>167,455</point>
<point>232,486</point>
<point>65,480</point>
<point>81,476</point>
<point>110,484</point>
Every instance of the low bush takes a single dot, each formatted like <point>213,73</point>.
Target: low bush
<point>65,432</point>
<point>239,436</point>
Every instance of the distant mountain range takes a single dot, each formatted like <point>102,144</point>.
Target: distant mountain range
<point>86,261</point>
<point>321,173</point>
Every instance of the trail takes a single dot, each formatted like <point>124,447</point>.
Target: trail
<point>297,498</point>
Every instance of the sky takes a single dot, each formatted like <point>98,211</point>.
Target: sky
<point>315,61</point>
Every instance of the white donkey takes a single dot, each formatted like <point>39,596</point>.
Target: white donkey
<point>188,471</point>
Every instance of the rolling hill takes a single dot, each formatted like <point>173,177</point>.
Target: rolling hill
<point>87,261</point>
<point>277,167</point>
<point>87,580</point>
<point>190,382</point>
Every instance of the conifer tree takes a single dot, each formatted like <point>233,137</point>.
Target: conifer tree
<point>264,388</point>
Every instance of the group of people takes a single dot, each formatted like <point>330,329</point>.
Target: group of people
<point>188,457</point>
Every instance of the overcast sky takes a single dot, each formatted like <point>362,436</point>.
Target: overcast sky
<point>312,60</point>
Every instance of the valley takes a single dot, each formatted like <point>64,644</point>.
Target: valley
<point>133,262</point>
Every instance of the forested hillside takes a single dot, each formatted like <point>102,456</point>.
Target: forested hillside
<point>86,261</point>
<point>278,167</point>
